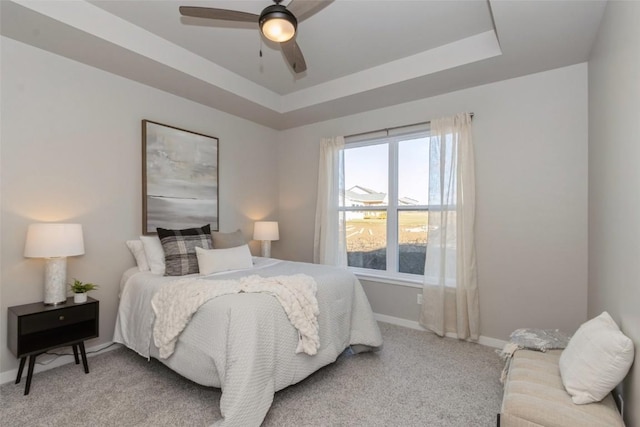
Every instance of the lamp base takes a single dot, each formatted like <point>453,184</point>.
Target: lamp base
<point>54,304</point>
<point>55,277</point>
<point>265,248</point>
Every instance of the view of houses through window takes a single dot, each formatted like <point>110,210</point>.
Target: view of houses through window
<point>386,203</point>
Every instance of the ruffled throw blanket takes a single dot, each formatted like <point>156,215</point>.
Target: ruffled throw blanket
<point>176,302</point>
<point>531,339</point>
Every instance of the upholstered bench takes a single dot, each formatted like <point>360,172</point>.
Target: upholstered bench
<point>535,396</point>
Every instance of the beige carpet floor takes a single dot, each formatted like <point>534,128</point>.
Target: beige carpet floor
<point>418,379</point>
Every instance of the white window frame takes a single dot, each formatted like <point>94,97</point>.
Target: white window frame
<point>391,274</point>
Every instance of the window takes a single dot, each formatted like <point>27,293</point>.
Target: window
<point>386,204</point>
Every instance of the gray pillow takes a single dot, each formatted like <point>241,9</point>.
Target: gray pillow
<point>227,240</point>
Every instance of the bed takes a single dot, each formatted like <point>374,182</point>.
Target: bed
<point>244,343</point>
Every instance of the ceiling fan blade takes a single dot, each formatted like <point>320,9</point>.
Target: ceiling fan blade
<point>302,9</point>
<point>221,14</point>
<point>294,56</point>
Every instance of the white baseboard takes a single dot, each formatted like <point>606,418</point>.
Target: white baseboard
<point>492,342</point>
<point>411,324</point>
<point>53,361</point>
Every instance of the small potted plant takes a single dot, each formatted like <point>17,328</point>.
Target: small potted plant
<point>80,290</point>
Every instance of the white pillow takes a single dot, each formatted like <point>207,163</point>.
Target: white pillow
<point>596,360</point>
<point>136,248</point>
<point>216,260</point>
<point>155,253</point>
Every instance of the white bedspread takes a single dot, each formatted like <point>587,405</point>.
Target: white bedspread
<point>244,343</point>
<point>177,301</point>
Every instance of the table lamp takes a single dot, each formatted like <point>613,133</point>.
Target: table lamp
<point>266,231</point>
<point>55,242</point>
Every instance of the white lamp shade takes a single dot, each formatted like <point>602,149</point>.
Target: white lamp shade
<point>266,230</point>
<point>50,240</point>
<point>278,30</point>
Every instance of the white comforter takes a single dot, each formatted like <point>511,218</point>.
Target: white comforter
<point>175,303</point>
<point>244,343</point>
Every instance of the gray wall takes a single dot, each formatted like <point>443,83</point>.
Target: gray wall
<point>530,135</point>
<point>614,180</point>
<point>71,151</point>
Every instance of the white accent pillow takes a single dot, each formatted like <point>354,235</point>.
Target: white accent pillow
<point>216,260</point>
<point>596,360</point>
<point>155,253</point>
<point>137,250</point>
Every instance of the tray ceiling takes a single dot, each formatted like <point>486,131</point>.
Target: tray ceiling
<point>361,54</point>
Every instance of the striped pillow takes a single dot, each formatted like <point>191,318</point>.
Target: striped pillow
<point>180,248</point>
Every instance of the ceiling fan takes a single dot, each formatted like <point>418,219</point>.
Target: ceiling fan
<point>277,23</point>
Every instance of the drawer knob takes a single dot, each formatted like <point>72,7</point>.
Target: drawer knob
<point>61,318</point>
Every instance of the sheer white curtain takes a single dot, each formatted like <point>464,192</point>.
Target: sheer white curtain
<point>450,293</point>
<point>329,246</point>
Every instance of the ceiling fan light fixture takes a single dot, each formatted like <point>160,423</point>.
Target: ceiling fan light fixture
<point>278,24</point>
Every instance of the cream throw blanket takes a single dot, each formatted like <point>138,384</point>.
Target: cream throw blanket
<point>176,302</point>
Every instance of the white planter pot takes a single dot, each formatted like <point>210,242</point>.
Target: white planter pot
<point>78,298</point>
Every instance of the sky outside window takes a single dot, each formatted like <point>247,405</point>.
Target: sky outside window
<point>368,167</point>
<point>413,170</point>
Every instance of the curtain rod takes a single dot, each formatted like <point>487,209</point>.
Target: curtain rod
<point>392,128</point>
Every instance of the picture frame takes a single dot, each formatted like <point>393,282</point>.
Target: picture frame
<point>179,178</point>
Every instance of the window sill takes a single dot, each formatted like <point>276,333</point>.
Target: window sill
<point>389,280</point>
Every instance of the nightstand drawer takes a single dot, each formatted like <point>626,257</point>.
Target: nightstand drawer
<point>35,328</point>
<point>58,318</point>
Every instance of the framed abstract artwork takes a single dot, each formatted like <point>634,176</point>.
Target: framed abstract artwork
<point>179,178</point>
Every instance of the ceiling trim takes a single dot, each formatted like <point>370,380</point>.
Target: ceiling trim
<point>471,49</point>
<point>99,23</point>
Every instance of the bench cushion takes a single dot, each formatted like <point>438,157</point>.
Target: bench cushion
<point>534,396</point>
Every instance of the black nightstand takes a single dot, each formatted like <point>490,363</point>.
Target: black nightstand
<point>36,328</point>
